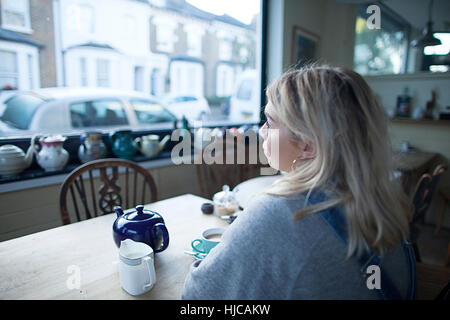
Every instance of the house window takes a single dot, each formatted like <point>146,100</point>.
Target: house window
<point>225,49</point>
<point>194,36</point>
<point>225,80</point>
<point>30,71</point>
<point>384,50</point>
<point>9,77</point>
<point>103,73</point>
<point>80,18</point>
<point>164,38</point>
<point>16,14</point>
<point>83,72</point>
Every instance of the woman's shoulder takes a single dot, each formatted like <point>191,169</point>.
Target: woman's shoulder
<point>269,203</point>
<point>275,213</point>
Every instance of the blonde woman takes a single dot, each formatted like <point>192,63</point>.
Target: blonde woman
<point>335,226</point>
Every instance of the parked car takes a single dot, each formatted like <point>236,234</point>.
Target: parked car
<point>192,107</point>
<point>245,100</point>
<point>73,110</point>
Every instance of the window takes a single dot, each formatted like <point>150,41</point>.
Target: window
<point>8,70</point>
<point>80,18</point>
<point>160,48</point>
<point>164,37</point>
<point>194,40</point>
<point>150,112</point>
<point>384,50</point>
<point>97,113</point>
<point>83,72</point>
<point>16,15</point>
<point>30,71</point>
<point>226,49</point>
<point>102,73</point>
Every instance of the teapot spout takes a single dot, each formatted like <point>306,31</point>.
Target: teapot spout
<point>163,142</point>
<point>118,211</point>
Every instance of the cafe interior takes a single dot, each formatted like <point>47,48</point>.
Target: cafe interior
<point>177,93</point>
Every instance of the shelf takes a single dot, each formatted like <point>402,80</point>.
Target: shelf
<point>420,121</point>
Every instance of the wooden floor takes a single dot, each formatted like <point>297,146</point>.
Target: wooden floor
<point>431,279</point>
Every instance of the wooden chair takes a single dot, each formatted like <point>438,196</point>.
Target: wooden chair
<point>445,195</point>
<point>101,178</point>
<point>211,177</point>
<point>422,197</point>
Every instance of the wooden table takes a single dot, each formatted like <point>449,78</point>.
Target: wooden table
<point>36,266</point>
<point>412,165</point>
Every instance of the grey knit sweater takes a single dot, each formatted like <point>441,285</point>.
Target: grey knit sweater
<point>265,254</point>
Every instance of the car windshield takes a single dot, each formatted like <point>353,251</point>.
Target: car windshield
<point>20,109</point>
<point>148,111</point>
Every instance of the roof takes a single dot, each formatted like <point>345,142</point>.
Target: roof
<point>93,45</point>
<point>184,57</point>
<point>186,9</point>
<point>9,35</point>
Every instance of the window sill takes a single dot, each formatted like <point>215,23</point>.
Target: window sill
<point>25,30</point>
<point>39,178</point>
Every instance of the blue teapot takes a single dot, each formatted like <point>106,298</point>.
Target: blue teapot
<point>141,225</point>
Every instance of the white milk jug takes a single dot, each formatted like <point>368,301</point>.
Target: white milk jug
<point>136,267</point>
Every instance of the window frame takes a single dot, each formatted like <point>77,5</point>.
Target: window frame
<point>15,74</point>
<point>391,18</point>
<point>73,140</point>
<point>24,29</point>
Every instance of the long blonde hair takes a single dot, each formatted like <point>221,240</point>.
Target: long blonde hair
<point>335,110</point>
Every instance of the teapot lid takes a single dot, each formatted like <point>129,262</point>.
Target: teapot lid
<point>53,139</point>
<point>140,214</point>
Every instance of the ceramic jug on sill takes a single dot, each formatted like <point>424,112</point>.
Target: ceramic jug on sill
<point>150,145</point>
<point>123,145</point>
<point>52,156</point>
<point>13,160</point>
<point>91,147</point>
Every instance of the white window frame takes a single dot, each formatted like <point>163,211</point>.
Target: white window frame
<point>103,76</point>
<point>23,29</point>
<point>15,74</point>
<point>84,79</point>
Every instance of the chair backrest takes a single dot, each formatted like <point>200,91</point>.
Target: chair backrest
<point>133,186</point>
<point>424,191</point>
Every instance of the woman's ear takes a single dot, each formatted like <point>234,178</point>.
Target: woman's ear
<point>309,152</point>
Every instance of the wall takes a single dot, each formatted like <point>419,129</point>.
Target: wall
<point>420,86</point>
<point>334,23</point>
<point>425,136</point>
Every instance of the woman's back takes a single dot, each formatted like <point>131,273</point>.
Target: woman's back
<point>267,255</point>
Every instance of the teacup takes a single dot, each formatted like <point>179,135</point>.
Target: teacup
<point>210,238</point>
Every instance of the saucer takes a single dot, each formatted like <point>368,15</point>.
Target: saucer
<point>195,254</point>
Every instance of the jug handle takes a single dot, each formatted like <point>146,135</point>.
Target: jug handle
<point>151,271</point>
<point>138,141</point>
<point>165,233</point>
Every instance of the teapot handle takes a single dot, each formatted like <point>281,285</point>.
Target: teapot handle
<point>138,142</point>
<point>35,145</point>
<point>162,227</point>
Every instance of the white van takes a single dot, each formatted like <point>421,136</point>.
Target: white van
<point>245,105</point>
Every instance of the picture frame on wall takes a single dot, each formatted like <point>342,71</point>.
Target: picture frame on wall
<point>304,46</point>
